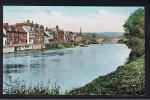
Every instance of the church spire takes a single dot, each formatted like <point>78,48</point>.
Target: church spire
<point>80,30</point>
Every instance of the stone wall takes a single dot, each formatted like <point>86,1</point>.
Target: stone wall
<point>8,49</point>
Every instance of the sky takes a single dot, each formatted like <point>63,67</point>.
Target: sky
<point>71,18</point>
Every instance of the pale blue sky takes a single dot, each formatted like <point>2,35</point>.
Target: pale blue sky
<point>54,14</point>
<point>70,9</point>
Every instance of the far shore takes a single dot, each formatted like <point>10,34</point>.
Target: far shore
<point>46,49</point>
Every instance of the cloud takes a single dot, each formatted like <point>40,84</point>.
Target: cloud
<point>101,21</point>
<point>56,13</point>
<point>101,11</point>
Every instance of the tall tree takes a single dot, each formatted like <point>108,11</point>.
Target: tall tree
<point>134,25</point>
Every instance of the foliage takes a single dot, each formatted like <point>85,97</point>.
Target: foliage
<point>134,26</point>
<point>94,35</point>
<point>19,87</point>
<point>68,45</point>
<point>52,46</point>
<point>134,42</point>
<point>137,46</point>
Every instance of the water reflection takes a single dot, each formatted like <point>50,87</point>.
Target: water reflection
<point>13,71</point>
<point>13,68</point>
<point>56,60</point>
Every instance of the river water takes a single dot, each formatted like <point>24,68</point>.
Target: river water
<point>68,68</point>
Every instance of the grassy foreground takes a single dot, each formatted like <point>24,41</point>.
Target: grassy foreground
<point>19,87</point>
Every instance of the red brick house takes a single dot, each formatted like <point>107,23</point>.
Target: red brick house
<point>15,34</point>
<point>58,35</point>
<point>39,36</point>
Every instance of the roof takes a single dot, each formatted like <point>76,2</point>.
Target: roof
<point>6,27</point>
<point>4,35</point>
<point>20,29</point>
<point>30,29</point>
<point>47,33</point>
<point>14,28</point>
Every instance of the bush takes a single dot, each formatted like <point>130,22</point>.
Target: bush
<point>68,45</point>
<point>137,46</point>
<point>135,53</point>
<point>134,42</point>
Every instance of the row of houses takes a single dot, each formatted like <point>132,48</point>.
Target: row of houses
<point>31,33</point>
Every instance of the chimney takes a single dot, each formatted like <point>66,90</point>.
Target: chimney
<point>28,21</point>
<point>57,27</point>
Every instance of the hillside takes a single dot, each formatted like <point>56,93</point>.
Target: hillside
<point>104,34</point>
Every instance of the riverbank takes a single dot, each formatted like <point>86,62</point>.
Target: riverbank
<point>36,47</point>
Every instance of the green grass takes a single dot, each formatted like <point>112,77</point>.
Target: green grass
<point>19,87</point>
<point>126,80</point>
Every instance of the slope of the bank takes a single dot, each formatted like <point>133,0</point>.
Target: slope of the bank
<point>126,80</point>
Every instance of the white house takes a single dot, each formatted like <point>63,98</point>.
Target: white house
<point>71,37</point>
<point>30,33</point>
<point>48,36</point>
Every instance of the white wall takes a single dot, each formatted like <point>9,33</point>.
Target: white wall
<point>27,35</point>
<point>8,49</point>
<point>46,40</point>
<point>4,41</point>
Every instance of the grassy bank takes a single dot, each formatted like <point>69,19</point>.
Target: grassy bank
<point>19,87</point>
<point>126,80</point>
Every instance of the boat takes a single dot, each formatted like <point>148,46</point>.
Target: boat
<point>83,45</point>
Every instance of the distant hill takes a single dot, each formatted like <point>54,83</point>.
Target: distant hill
<point>112,34</point>
<point>104,34</point>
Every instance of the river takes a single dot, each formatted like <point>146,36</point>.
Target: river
<point>68,68</point>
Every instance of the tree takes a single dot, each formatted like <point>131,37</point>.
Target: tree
<point>94,35</point>
<point>134,26</point>
<point>134,32</point>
